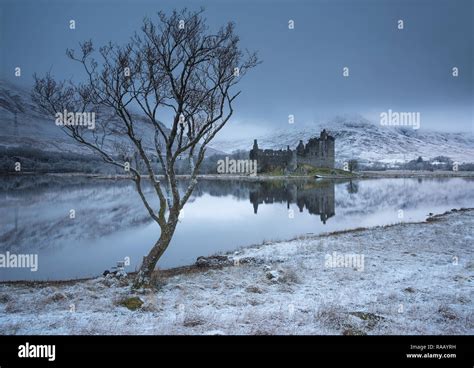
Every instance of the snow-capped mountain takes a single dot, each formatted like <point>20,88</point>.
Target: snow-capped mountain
<point>359,138</point>
<point>23,125</point>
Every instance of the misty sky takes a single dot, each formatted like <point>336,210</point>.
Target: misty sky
<point>301,74</point>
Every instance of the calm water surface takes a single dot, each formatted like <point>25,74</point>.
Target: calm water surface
<point>111,222</point>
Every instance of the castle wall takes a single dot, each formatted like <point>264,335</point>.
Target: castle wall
<point>318,152</point>
<point>271,159</point>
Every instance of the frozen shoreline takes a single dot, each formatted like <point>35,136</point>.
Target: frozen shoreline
<point>264,177</point>
<point>416,279</point>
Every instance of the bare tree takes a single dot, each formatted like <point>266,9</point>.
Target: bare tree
<point>353,165</point>
<point>173,66</point>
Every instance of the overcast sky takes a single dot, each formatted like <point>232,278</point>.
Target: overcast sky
<point>301,74</point>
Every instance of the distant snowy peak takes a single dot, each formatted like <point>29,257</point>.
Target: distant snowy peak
<point>359,138</point>
<point>22,124</point>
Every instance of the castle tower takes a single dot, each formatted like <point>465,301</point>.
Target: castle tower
<point>254,151</point>
<point>324,135</point>
<point>300,148</point>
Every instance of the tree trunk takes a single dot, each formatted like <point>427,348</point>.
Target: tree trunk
<point>149,262</point>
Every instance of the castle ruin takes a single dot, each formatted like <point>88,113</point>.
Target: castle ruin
<point>318,152</point>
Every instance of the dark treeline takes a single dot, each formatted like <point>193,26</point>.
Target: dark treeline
<point>37,161</point>
<point>439,163</point>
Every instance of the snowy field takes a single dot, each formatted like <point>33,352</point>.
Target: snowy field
<point>402,279</point>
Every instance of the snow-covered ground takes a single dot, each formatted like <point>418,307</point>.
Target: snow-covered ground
<point>413,279</point>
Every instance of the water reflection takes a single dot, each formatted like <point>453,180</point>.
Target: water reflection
<point>222,215</point>
<point>316,197</point>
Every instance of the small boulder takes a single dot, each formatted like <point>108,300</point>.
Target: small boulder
<point>253,289</point>
<point>272,275</point>
<point>132,303</point>
<point>192,322</point>
<point>250,260</point>
<point>213,262</point>
<point>353,331</point>
<point>57,297</point>
<point>5,298</point>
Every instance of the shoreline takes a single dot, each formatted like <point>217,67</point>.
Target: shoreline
<point>194,267</point>
<point>260,178</point>
<point>414,278</point>
<point>416,174</point>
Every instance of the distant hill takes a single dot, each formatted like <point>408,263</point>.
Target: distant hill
<point>359,138</point>
<point>24,127</point>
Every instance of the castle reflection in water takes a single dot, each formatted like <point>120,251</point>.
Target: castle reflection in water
<point>317,198</point>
